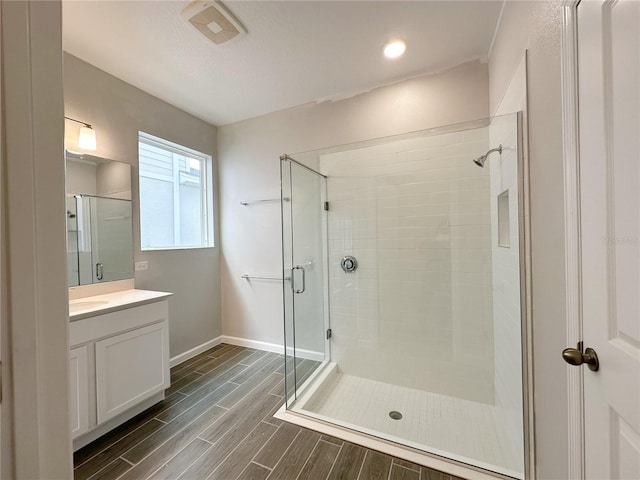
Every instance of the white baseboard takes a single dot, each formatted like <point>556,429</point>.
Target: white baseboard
<point>183,357</point>
<point>243,342</point>
<point>272,347</point>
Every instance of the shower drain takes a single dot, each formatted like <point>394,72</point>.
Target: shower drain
<point>395,415</point>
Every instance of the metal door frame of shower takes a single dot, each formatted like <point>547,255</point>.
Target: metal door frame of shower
<point>442,463</point>
<point>284,156</point>
<point>325,270</point>
<point>526,331</point>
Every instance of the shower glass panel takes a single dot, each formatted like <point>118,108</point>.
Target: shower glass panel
<point>112,246</point>
<point>73,267</point>
<point>429,325</point>
<point>304,270</point>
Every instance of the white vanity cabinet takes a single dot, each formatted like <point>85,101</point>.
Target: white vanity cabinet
<point>118,364</point>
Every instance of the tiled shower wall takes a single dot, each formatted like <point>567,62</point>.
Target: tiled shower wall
<point>418,311</point>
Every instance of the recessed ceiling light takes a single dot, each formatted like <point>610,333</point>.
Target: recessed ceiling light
<point>394,48</point>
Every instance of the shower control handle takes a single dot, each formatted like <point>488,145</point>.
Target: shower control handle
<point>304,286</point>
<point>349,264</point>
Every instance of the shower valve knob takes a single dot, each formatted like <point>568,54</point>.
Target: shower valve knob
<point>349,264</point>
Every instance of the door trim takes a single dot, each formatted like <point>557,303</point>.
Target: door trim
<point>36,435</point>
<point>571,167</point>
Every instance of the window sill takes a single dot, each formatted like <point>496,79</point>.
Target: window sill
<point>168,249</point>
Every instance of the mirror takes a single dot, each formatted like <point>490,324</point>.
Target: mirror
<point>99,226</point>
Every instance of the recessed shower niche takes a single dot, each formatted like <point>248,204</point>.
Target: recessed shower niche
<point>430,323</point>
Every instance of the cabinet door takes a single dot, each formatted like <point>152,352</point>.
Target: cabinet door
<point>79,394</point>
<point>130,368</point>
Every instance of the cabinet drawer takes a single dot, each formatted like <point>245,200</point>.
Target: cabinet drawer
<point>131,367</point>
<point>100,326</point>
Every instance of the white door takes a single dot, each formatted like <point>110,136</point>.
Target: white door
<point>609,103</point>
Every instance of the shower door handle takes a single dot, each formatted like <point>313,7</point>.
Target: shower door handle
<point>99,271</point>
<point>295,290</point>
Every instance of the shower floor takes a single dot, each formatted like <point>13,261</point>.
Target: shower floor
<point>474,433</point>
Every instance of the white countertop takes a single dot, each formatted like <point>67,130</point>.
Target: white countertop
<point>111,302</point>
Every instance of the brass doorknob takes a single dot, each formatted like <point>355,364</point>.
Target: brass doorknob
<point>573,356</point>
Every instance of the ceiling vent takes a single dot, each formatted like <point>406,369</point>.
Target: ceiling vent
<point>213,20</point>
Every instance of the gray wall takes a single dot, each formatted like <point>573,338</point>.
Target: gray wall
<point>249,169</point>
<point>117,111</point>
<point>537,27</point>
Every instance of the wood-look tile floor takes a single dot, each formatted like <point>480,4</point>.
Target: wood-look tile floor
<point>216,422</point>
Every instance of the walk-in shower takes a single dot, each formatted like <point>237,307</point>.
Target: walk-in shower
<point>403,295</point>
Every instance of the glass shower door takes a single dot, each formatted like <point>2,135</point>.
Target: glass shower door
<point>304,231</point>
<point>111,239</point>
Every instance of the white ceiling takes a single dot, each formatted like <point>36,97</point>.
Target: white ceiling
<point>295,51</point>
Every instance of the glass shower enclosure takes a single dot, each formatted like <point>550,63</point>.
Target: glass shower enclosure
<point>304,230</point>
<point>402,259</point>
<point>99,239</point>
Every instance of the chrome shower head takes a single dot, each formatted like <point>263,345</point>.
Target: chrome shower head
<point>480,160</point>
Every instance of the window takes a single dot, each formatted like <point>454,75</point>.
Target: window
<point>176,195</point>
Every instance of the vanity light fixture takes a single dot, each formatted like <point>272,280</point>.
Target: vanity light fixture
<point>86,136</point>
<point>395,48</point>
